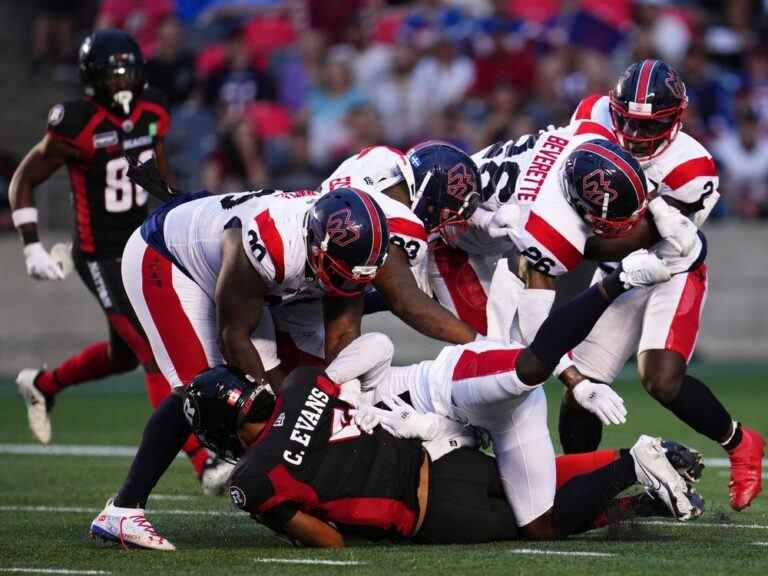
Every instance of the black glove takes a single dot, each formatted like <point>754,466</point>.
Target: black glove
<point>147,175</point>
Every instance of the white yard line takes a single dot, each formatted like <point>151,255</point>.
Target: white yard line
<point>171,497</point>
<point>560,552</point>
<point>24,570</point>
<point>696,524</point>
<point>78,510</point>
<point>759,543</point>
<point>310,561</point>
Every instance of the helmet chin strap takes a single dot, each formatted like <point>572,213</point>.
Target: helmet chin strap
<point>124,99</point>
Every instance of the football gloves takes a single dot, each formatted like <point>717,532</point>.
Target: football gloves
<point>673,226</point>
<point>641,268</point>
<point>40,264</point>
<point>600,400</point>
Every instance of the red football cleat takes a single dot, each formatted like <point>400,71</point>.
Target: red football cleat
<point>746,469</point>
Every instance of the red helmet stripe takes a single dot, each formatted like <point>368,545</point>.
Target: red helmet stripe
<point>644,80</point>
<point>373,216</point>
<point>620,163</point>
<point>272,241</point>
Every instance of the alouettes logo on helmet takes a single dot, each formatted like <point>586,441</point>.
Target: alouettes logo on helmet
<point>341,229</point>
<point>597,188</point>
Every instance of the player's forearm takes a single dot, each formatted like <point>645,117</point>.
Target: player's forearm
<point>21,197</point>
<point>238,351</point>
<point>644,235</point>
<point>426,316</point>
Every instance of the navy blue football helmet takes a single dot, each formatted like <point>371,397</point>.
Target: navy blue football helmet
<point>447,185</point>
<point>347,241</point>
<point>219,401</point>
<point>606,186</point>
<point>112,69</point>
<point>647,106</point>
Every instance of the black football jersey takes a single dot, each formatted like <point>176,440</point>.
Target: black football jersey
<point>313,458</point>
<point>108,206</point>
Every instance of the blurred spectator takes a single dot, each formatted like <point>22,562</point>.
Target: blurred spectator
<point>742,155</point>
<point>756,82</point>
<point>443,79</point>
<point>140,18</point>
<point>8,164</point>
<point>668,29</point>
<point>327,106</point>
<point>238,82</point>
<point>298,69</point>
<point>237,163</point>
<point>53,16</point>
<point>334,17</point>
<point>363,130</point>
<point>706,89</point>
<point>504,104</point>
<point>295,172</point>
<point>396,99</point>
<point>430,20</point>
<point>372,61</point>
<point>171,68</point>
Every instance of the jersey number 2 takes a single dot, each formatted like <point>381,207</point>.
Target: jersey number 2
<point>120,191</point>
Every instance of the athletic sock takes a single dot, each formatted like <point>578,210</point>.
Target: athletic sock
<point>158,389</point>
<point>571,465</point>
<point>165,433</point>
<point>569,324</point>
<point>579,429</point>
<point>92,363</point>
<point>582,498</point>
<point>701,410</point>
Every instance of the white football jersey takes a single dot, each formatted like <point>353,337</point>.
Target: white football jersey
<point>526,172</point>
<point>373,170</point>
<point>272,235</point>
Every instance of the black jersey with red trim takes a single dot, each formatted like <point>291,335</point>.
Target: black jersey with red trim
<point>108,206</point>
<point>312,458</point>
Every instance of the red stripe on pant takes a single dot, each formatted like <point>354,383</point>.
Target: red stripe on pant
<point>473,364</point>
<point>466,290</point>
<point>685,325</point>
<point>176,331</point>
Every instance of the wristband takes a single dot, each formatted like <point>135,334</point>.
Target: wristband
<point>565,363</point>
<point>24,216</point>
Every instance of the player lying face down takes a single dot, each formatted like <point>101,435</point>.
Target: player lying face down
<point>200,273</point>
<point>305,462</point>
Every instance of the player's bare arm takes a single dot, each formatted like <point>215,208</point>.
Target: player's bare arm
<point>38,165</point>
<point>239,305</point>
<point>408,302</point>
<point>311,531</point>
<point>342,317</point>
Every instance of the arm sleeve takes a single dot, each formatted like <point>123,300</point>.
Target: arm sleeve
<point>367,358</point>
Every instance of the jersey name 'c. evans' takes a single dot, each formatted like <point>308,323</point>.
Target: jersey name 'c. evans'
<point>313,458</point>
<point>108,206</point>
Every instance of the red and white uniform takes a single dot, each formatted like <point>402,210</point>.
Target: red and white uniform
<point>300,329</point>
<point>552,236</point>
<point>171,265</point>
<point>476,384</point>
<point>666,316</point>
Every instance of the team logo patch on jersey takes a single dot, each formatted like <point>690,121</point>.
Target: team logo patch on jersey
<point>56,115</point>
<point>127,126</point>
<point>341,229</point>
<point>279,421</point>
<point>105,139</point>
<point>238,497</point>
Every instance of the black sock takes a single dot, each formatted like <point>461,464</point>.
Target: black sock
<point>701,410</point>
<point>583,497</point>
<point>569,324</point>
<point>164,435</point>
<point>580,430</point>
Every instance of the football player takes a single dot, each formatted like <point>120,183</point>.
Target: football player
<point>386,174</point>
<point>661,324</point>
<point>91,136</point>
<point>201,274</point>
<point>310,464</point>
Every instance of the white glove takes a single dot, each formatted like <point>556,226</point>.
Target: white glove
<point>505,221</point>
<point>366,417</point>
<point>602,401</point>
<point>673,226</point>
<point>40,265</point>
<point>350,392</point>
<point>403,421</point>
<point>641,268</point>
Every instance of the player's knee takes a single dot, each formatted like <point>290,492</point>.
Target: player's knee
<point>663,385</point>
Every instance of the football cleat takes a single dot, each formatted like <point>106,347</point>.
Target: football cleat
<point>129,527</point>
<point>688,462</point>
<point>656,473</point>
<point>746,469</point>
<point>215,476</point>
<point>38,406</point>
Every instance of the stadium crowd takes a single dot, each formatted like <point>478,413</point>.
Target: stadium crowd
<point>277,92</point>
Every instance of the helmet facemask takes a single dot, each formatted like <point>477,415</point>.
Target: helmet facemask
<point>645,134</point>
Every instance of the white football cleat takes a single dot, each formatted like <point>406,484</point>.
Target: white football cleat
<point>655,472</point>
<point>215,476</point>
<point>37,409</point>
<point>129,527</point>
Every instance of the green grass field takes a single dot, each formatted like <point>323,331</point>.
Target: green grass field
<point>47,503</point>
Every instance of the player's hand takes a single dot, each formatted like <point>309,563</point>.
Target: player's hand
<point>601,400</point>
<point>147,175</point>
<point>641,268</point>
<point>505,221</point>
<point>40,264</point>
<point>366,417</point>
<point>403,421</point>
<point>673,226</point>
